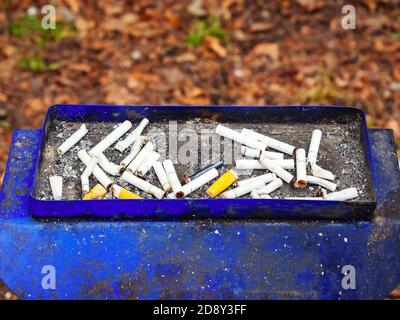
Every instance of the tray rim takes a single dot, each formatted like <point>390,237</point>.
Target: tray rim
<point>35,202</point>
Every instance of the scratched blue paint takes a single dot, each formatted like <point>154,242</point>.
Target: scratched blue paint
<point>199,259</point>
<point>206,208</point>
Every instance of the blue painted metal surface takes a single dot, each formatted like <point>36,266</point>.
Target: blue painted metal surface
<point>207,208</point>
<point>198,259</point>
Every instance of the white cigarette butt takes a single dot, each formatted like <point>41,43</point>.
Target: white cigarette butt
<point>148,162</point>
<point>239,138</point>
<point>132,137</point>
<point>138,144</point>
<point>136,162</point>
<point>268,177</point>
<point>197,183</point>
<point>142,185</point>
<point>254,164</point>
<point>172,176</point>
<point>86,174</point>
<point>317,171</point>
<point>270,187</point>
<point>301,169</point>
<point>72,140</point>
<point>239,191</point>
<point>111,138</point>
<point>270,142</point>
<point>105,181</point>
<point>322,182</point>
<point>314,146</point>
<point>250,152</point>
<point>343,195</point>
<point>275,168</point>
<point>56,183</point>
<point>162,176</point>
<point>108,166</point>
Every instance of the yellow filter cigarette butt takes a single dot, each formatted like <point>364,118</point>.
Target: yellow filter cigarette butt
<point>125,194</point>
<point>122,193</point>
<point>97,192</point>
<point>223,183</point>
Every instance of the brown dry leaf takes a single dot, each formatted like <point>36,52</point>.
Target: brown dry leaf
<point>83,26</point>
<point>371,4</point>
<point>74,5</point>
<point>3,97</point>
<point>172,18</point>
<point>311,5</point>
<point>396,73</point>
<point>81,67</point>
<point>269,49</point>
<point>192,96</point>
<point>144,77</point>
<point>120,24</point>
<point>9,50</point>
<point>386,46</point>
<point>186,57</point>
<point>261,26</point>
<point>216,47</point>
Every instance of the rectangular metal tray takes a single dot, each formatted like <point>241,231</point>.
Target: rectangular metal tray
<point>345,150</point>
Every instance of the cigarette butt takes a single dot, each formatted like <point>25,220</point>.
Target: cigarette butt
<point>162,176</point>
<point>268,177</point>
<point>343,195</point>
<point>142,185</point>
<point>72,140</point>
<point>111,138</point>
<point>135,149</point>
<point>97,192</point>
<point>142,155</point>
<point>97,171</point>
<point>240,138</point>
<point>275,168</point>
<point>85,183</point>
<point>107,165</point>
<point>254,164</point>
<point>56,183</point>
<point>172,176</point>
<point>197,183</point>
<point>223,183</point>
<point>122,193</point>
<point>132,137</point>
<point>239,191</point>
<point>314,146</point>
<point>322,182</point>
<point>317,171</point>
<point>86,174</point>
<point>216,165</point>
<point>301,169</point>
<point>147,163</point>
<point>270,187</point>
<point>250,152</point>
<point>270,142</point>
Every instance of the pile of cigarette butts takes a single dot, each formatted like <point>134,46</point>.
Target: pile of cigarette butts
<point>260,152</point>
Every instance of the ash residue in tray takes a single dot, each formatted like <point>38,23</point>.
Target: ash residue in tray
<point>341,152</point>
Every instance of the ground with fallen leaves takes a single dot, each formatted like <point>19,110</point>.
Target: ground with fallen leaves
<point>228,52</point>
